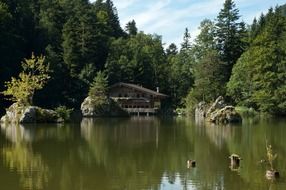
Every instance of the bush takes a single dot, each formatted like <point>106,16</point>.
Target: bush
<point>64,112</point>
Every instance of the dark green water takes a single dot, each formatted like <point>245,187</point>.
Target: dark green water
<point>140,153</point>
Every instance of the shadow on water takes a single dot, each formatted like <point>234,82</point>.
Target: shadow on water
<point>139,153</point>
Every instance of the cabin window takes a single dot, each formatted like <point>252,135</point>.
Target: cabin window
<point>151,96</point>
<point>138,95</point>
<point>143,95</point>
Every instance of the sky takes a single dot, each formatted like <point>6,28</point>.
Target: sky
<point>169,18</point>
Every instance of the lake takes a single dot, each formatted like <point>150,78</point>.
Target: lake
<point>141,153</point>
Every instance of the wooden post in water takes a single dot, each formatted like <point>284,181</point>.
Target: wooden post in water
<point>234,161</point>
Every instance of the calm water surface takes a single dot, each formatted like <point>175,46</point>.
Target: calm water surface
<point>140,153</point>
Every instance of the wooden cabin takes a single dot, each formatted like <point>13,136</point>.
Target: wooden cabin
<point>136,99</point>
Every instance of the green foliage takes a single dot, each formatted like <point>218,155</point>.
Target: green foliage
<point>209,77</point>
<point>241,87</point>
<point>186,44</point>
<point>208,69</point>
<point>80,38</point>
<point>131,28</point>
<point>138,59</point>
<point>172,50</point>
<point>180,77</point>
<point>258,79</point>
<point>64,112</point>
<point>229,35</point>
<point>98,89</point>
<point>245,111</point>
<point>33,77</point>
<point>205,41</point>
<point>5,15</point>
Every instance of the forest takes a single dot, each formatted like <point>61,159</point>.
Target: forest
<point>78,39</point>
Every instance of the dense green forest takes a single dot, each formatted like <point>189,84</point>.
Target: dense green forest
<point>247,64</point>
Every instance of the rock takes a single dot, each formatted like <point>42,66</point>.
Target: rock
<point>29,115</point>
<point>18,113</point>
<point>225,115</point>
<point>200,111</point>
<point>218,112</point>
<point>13,113</point>
<point>218,104</point>
<point>94,108</point>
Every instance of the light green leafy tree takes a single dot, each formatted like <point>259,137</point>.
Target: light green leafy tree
<point>33,77</point>
<point>258,78</point>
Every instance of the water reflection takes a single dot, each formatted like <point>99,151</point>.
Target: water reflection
<point>16,133</point>
<point>135,152</point>
<point>139,153</point>
<point>19,157</point>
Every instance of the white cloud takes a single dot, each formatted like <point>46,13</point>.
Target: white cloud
<point>169,18</point>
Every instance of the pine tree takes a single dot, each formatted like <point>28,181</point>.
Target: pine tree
<point>172,50</point>
<point>186,44</point>
<point>131,28</point>
<point>228,31</point>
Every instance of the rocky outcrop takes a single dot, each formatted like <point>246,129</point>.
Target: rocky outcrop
<point>201,110</point>
<point>94,108</point>
<point>218,112</point>
<point>225,115</point>
<point>18,113</point>
<point>218,104</point>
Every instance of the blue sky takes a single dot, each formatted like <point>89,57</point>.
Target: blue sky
<point>169,18</point>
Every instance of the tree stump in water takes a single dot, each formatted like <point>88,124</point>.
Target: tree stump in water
<point>272,174</point>
<point>234,161</point>
<point>191,163</point>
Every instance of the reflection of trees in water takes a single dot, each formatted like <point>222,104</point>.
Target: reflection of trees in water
<point>252,148</point>
<point>33,132</point>
<point>34,173</point>
<point>17,133</point>
<point>141,154</point>
<point>247,140</point>
<point>137,152</point>
<point>19,156</point>
<point>212,165</point>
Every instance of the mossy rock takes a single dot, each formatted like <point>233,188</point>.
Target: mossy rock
<point>18,113</point>
<point>225,115</point>
<point>101,108</point>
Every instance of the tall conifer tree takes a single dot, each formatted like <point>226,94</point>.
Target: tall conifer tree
<point>229,40</point>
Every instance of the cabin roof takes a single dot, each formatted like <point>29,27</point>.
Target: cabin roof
<point>139,88</point>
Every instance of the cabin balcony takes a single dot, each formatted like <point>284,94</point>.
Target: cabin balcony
<point>138,111</point>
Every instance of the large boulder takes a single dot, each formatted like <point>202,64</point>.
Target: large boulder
<point>91,107</point>
<point>225,115</point>
<point>218,112</point>
<point>18,113</point>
